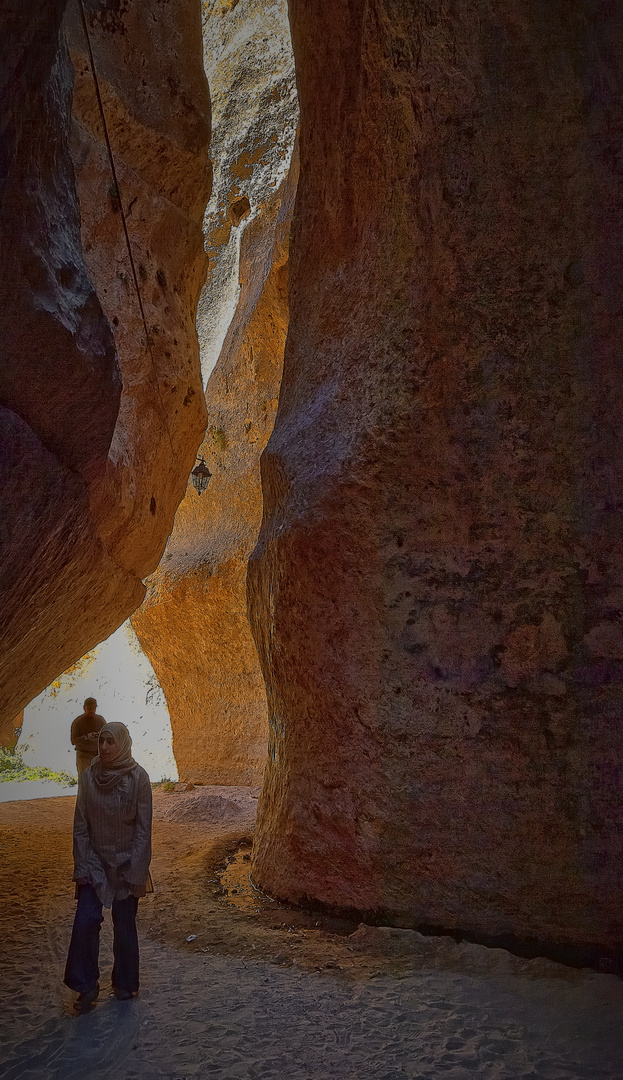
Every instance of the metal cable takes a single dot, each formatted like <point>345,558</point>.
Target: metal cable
<point>122,212</point>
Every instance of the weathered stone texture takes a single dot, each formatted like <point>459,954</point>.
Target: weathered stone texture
<point>85,512</point>
<point>193,624</point>
<point>54,333</point>
<point>158,118</point>
<point>438,587</point>
<point>59,378</point>
<point>250,67</point>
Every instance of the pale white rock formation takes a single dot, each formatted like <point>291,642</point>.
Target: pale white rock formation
<point>250,68</point>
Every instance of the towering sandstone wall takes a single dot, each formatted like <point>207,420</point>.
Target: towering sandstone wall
<point>193,624</point>
<point>158,118</point>
<point>438,587</point>
<point>86,478</point>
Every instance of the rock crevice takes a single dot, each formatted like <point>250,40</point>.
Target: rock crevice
<point>193,624</point>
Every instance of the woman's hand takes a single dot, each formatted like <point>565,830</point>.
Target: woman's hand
<point>82,881</point>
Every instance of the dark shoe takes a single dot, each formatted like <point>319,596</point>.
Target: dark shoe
<point>122,995</point>
<point>85,1001</point>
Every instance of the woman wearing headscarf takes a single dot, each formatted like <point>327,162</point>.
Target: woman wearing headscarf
<point>112,852</point>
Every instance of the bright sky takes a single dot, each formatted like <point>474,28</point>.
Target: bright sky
<point>122,679</point>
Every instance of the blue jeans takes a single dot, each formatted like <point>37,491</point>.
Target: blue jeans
<point>82,968</point>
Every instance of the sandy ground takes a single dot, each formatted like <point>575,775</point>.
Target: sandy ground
<point>263,991</point>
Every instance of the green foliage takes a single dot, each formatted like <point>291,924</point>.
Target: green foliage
<point>165,784</point>
<point>13,767</point>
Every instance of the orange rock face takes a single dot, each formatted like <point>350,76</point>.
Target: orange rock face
<point>193,624</point>
<point>88,491</point>
<point>436,593</point>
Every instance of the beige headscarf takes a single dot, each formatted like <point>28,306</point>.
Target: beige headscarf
<point>108,775</point>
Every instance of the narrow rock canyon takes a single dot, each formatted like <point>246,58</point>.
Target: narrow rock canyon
<point>436,593</point>
<point>437,590</point>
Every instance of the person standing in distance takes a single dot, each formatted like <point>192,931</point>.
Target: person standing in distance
<point>84,734</point>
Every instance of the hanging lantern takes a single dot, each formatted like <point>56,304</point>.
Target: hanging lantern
<point>201,476</point>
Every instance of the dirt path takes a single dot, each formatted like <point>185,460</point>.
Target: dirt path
<point>262,992</point>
